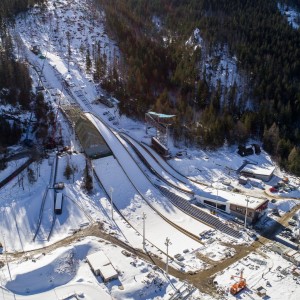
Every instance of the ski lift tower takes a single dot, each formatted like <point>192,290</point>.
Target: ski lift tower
<point>161,123</point>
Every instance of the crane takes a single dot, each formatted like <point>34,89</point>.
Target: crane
<point>239,285</point>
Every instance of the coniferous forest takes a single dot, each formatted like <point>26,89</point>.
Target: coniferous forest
<point>15,82</point>
<point>161,72</point>
<point>158,70</point>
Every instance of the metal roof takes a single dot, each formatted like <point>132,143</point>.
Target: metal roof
<point>163,116</point>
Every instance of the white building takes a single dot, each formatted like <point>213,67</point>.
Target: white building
<point>101,265</point>
<point>264,173</point>
<point>233,203</point>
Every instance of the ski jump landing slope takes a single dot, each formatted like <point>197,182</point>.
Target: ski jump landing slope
<point>142,183</point>
<point>132,206</point>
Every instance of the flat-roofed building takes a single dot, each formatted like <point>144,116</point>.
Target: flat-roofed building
<point>264,172</point>
<point>235,204</point>
<point>102,266</point>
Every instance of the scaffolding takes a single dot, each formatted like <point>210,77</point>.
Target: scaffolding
<point>161,123</point>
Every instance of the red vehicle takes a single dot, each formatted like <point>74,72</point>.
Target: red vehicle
<point>238,286</point>
<point>273,189</point>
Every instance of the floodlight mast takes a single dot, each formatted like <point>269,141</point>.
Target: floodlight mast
<point>111,203</point>
<point>167,243</point>
<point>144,237</point>
<point>247,200</point>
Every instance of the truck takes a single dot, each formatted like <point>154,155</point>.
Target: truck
<point>58,203</point>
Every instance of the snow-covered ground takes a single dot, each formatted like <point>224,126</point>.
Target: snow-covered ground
<point>21,202</point>
<point>11,166</point>
<point>268,270</point>
<point>63,272</point>
<point>220,69</point>
<point>219,170</point>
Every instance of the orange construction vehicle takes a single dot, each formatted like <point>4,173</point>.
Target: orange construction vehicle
<point>238,286</point>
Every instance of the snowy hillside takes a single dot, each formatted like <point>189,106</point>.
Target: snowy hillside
<point>140,209</point>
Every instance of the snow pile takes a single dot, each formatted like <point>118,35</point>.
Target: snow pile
<point>36,277</point>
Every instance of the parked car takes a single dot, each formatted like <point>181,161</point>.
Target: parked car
<point>273,189</point>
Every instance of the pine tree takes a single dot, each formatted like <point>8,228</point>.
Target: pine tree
<point>88,62</point>
<point>68,171</point>
<point>88,180</point>
<point>294,161</point>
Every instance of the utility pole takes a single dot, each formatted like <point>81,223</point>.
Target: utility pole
<point>167,243</point>
<point>144,239</point>
<point>111,203</point>
<point>217,197</point>
<point>6,257</point>
<point>247,200</point>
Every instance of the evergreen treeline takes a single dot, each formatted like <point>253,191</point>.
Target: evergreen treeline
<point>9,8</point>
<point>10,133</point>
<point>165,75</point>
<point>15,82</point>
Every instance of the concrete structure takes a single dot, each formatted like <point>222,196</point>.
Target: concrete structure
<point>90,139</point>
<point>235,204</point>
<point>264,173</point>
<point>102,266</point>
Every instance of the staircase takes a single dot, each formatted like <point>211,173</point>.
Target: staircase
<point>197,213</point>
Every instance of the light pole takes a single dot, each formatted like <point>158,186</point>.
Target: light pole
<point>247,200</point>
<point>144,239</point>
<point>167,243</point>
<point>111,203</point>
<point>6,260</point>
<point>217,197</point>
